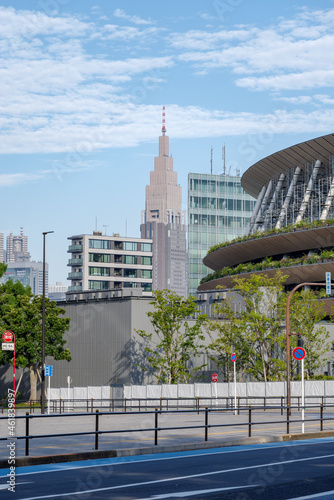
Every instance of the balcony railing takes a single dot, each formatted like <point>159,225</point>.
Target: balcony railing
<point>76,276</point>
<point>75,262</point>
<point>75,248</point>
<point>75,288</point>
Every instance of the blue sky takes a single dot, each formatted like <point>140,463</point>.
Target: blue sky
<point>83,84</point>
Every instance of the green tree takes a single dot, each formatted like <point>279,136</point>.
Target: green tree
<point>254,328</point>
<point>305,314</point>
<point>175,342</point>
<point>21,312</point>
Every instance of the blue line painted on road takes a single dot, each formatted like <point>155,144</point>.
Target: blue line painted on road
<point>40,469</point>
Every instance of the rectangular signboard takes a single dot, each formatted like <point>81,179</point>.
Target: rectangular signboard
<point>328,283</point>
<point>7,346</point>
<point>48,370</point>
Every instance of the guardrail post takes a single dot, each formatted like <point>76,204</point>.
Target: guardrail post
<point>249,421</point>
<point>92,405</point>
<point>264,404</point>
<point>2,401</point>
<point>156,427</point>
<point>287,419</point>
<point>96,430</point>
<point>160,404</point>
<point>282,405</point>
<point>27,434</point>
<point>238,405</point>
<point>206,422</point>
<point>321,417</point>
<point>60,405</point>
<point>125,404</point>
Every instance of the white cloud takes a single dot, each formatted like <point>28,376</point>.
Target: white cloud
<point>133,19</point>
<point>303,99</point>
<point>294,54</point>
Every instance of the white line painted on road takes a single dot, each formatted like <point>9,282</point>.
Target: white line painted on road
<point>184,494</point>
<point>179,478</point>
<point>168,456</point>
<point>6,486</point>
<point>326,494</point>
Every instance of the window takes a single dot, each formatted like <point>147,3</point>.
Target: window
<point>99,271</point>
<point>130,285</point>
<point>130,259</point>
<point>104,244</point>
<point>146,261</point>
<point>130,273</point>
<point>130,245</point>
<point>99,257</point>
<point>146,247</point>
<point>146,274</point>
<point>147,287</point>
<point>98,285</point>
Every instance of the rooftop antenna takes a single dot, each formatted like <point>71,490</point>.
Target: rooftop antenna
<point>211,159</point>
<point>223,157</point>
<point>105,228</point>
<point>163,129</point>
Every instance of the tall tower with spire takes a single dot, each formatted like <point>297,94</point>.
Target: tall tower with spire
<point>164,221</point>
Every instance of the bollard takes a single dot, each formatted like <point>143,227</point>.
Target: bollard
<point>249,421</point>
<point>125,404</point>
<point>281,405</point>
<point>96,430</point>
<point>238,405</point>
<point>287,419</point>
<point>160,404</point>
<point>206,423</point>
<point>92,405</point>
<point>156,427</point>
<point>321,417</point>
<point>60,406</point>
<point>27,434</point>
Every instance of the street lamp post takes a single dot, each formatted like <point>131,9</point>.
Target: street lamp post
<point>43,330</point>
<point>288,388</point>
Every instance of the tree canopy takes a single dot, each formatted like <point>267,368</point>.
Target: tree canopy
<point>176,342</point>
<point>21,312</point>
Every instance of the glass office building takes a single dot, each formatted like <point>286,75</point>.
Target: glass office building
<point>218,210</point>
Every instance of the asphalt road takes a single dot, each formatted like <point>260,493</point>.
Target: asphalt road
<point>301,469</point>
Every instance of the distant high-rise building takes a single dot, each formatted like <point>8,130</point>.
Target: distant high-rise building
<point>164,222</point>
<point>57,291</point>
<point>29,274</point>
<point>218,210</point>
<point>17,248</point>
<point>2,250</point>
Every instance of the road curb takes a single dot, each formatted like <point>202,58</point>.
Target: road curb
<point>127,452</point>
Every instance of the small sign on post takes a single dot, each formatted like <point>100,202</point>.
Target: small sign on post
<point>328,283</point>
<point>214,377</point>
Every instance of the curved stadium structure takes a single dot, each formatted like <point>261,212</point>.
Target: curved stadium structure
<point>292,225</point>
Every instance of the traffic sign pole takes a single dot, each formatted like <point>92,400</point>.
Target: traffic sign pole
<point>235,388</point>
<point>303,397</point>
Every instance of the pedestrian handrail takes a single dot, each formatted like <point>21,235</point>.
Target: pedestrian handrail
<point>156,429</point>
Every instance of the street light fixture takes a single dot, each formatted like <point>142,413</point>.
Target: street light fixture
<point>43,329</point>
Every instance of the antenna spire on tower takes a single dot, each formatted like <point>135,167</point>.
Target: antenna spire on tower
<point>163,130</point>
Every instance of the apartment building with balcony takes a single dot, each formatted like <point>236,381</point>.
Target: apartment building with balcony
<point>99,262</point>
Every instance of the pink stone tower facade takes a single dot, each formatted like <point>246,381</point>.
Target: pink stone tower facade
<point>164,221</point>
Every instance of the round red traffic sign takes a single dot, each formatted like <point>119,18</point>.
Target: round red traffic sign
<point>298,353</point>
<point>7,336</point>
<point>233,357</point>
<point>214,377</point>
